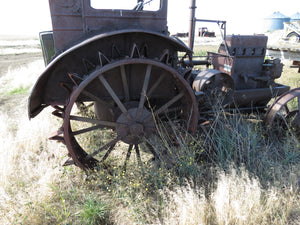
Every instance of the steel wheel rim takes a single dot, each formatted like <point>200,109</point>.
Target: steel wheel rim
<point>274,111</point>
<point>86,160</point>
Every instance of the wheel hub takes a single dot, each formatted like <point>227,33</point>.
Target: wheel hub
<point>136,129</point>
<point>133,128</point>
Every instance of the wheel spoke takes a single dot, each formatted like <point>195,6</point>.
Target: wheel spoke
<point>169,103</point>
<point>109,144</point>
<point>94,121</point>
<point>125,84</point>
<point>114,96</point>
<point>172,110</point>
<point>155,85</point>
<point>108,152</point>
<point>144,90</point>
<point>138,154</point>
<point>127,157</point>
<point>287,111</point>
<point>89,129</point>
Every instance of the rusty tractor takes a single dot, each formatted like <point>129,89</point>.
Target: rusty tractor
<point>203,32</point>
<point>120,70</point>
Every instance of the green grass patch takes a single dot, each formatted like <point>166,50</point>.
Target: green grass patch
<point>94,211</point>
<point>201,50</point>
<point>19,91</point>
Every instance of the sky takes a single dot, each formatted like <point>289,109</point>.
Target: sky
<point>29,17</point>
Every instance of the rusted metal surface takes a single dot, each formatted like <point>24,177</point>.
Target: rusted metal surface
<point>284,112</point>
<point>247,54</point>
<point>119,70</point>
<point>258,97</point>
<point>217,86</point>
<point>54,84</point>
<point>75,19</point>
<point>254,78</point>
<point>203,32</point>
<point>192,24</point>
<point>133,120</point>
<point>297,65</point>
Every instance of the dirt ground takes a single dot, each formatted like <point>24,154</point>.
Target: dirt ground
<point>13,61</point>
<point>15,53</point>
<point>18,51</point>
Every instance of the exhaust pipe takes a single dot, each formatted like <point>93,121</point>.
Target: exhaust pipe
<point>192,24</point>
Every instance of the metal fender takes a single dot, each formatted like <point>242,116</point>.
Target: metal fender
<point>54,85</point>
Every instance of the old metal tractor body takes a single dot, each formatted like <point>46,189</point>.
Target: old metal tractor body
<point>113,74</point>
<point>243,58</point>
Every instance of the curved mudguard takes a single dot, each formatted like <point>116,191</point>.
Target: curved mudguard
<point>54,85</point>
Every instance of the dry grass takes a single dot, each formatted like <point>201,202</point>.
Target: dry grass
<point>290,76</point>
<point>29,165</point>
<point>28,161</point>
<point>21,76</point>
<point>186,205</point>
<point>237,199</point>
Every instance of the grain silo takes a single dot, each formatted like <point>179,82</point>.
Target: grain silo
<point>275,21</point>
<point>295,17</point>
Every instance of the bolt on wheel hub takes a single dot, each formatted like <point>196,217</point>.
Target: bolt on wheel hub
<point>133,127</point>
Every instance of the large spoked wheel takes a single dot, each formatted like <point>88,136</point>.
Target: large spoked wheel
<point>123,101</point>
<point>284,112</point>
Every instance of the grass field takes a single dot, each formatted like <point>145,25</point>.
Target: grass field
<point>230,173</point>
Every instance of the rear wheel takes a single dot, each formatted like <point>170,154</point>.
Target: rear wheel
<point>123,101</point>
<point>293,37</point>
<point>284,112</point>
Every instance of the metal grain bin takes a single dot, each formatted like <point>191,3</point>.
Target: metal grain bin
<point>295,17</point>
<point>275,21</point>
